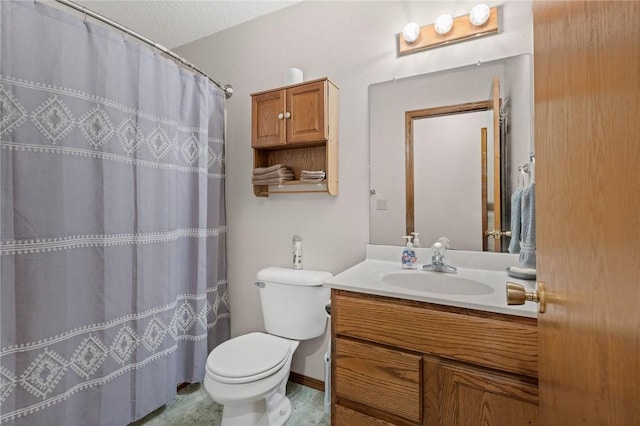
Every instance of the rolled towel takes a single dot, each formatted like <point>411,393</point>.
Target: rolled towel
<point>524,271</point>
<point>521,273</point>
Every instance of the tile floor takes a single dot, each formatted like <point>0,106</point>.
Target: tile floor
<point>193,407</point>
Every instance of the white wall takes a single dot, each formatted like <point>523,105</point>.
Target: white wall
<point>354,44</point>
<point>520,126</point>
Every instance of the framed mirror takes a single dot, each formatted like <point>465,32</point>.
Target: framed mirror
<point>471,146</point>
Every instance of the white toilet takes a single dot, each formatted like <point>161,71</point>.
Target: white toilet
<point>248,374</point>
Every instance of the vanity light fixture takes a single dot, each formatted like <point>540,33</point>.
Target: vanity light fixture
<point>481,21</point>
<point>479,15</point>
<point>443,24</point>
<point>411,32</point>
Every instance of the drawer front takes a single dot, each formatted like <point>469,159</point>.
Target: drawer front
<point>346,417</point>
<point>378,377</point>
<point>489,340</point>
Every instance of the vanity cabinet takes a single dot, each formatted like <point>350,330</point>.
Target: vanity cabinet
<point>297,126</point>
<point>405,362</point>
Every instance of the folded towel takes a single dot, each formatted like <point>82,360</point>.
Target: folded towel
<point>274,181</point>
<point>275,174</point>
<point>272,176</point>
<point>313,173</point>
<point>263,170</point>
<point>528,244</point>
<point>312,176</point>
<point>516,217</point>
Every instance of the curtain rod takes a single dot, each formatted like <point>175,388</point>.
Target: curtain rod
<point>227,88</point>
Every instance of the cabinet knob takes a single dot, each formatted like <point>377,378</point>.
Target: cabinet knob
<point>517,295</point>
<point>287,114</point>
<point>280,116</point>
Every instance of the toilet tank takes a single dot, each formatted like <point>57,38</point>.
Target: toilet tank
<point>293,302</point>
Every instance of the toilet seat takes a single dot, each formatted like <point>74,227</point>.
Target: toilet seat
<point>248,358</point>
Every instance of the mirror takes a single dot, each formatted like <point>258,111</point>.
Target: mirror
<point>452,181</point>
<point>466,150</point>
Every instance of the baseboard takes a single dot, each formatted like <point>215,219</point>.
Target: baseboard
<point>294,377</point>
<point>306,381</point>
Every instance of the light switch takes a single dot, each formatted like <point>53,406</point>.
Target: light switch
<point>381,204</point>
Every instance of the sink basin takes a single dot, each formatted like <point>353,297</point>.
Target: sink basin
<point>436,282</point>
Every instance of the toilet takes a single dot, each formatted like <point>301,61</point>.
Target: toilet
<point>248,374</point>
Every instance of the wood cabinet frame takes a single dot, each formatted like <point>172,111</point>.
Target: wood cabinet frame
<point>297,126</point>
<point>404,362</point>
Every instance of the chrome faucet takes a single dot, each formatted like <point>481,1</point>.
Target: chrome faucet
<point>437,260</point>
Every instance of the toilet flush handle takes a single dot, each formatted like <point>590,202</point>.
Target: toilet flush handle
<point>259,284</point>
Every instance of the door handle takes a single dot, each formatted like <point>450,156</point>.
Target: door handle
<point>497,234</point>
<point>517,295</point>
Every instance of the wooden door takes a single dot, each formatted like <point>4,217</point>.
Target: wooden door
<point>307,111</point>
<point>587,134</point>
<point>496,243</point>
<point>484,184</point>
<point>267,119</point>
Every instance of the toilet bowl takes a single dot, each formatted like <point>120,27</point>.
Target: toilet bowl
<point>248,374</point>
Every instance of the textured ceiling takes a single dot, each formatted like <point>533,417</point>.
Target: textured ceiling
<point>173,23</point>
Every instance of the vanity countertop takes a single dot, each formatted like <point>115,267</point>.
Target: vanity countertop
<point>486,268</point>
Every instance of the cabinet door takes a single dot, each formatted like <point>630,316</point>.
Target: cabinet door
<point>306,105</point>
<point>267,119</point>
<point>470,396</point>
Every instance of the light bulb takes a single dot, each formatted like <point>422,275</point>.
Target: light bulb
<point>479,14</point>
<point>443,24</point>
<point>411,32</point>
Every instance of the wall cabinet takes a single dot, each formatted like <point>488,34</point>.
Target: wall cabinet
<point>402,362</point>
<point>297,126</point>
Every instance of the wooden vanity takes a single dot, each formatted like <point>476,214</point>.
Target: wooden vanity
<point>404,362</point>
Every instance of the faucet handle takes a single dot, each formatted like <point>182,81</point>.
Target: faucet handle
<point>438,250</point>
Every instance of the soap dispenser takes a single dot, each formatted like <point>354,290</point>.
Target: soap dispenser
<point>416,240</point>
<point>409,258</point>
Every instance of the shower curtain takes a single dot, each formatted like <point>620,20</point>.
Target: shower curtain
<point>112,228</point>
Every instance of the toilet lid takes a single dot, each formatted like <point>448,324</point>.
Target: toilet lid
<point>253,354</point>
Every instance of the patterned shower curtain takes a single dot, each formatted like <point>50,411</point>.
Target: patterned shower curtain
<point>113,274</point>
